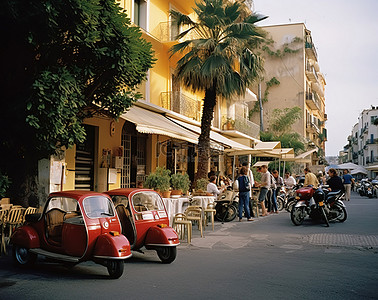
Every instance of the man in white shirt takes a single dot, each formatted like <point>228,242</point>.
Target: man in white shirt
<point>212,187</point>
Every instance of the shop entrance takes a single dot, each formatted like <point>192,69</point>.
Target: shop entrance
<point>134,156</point>
<point>84,158</point>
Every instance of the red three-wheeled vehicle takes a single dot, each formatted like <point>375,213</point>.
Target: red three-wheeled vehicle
<point>74,226</point>
<point>145,221</point>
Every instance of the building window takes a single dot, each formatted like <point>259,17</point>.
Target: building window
<point>140,13</point>
<point>372,119</point>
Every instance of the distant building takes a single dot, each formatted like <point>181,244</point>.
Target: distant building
<point>362,147</point>
<point>293,78</point>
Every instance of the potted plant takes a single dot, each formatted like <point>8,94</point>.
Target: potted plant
<point>5,183</point>
<point>229,124</point>
<point>159,181</point>
<point>180,183</point>
<point>201,186</point>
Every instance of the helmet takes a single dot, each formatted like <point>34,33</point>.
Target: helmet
<point>319,195</point>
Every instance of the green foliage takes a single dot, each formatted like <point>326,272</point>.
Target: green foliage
<point>160,179</point>
<point>288,140</point>
<point>281,52</point>
<point>201,184</point>
<point>69,60</point>
<point>282,120</point>
<point>5,183</point>
<point>272,82</point>
<point>180,182</point>
<point>218,57</point>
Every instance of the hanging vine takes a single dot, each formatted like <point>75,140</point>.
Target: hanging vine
<point>281,52</point>
<point>256,108</point>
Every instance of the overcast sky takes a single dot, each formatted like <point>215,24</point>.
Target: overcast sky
<point>345,34</point>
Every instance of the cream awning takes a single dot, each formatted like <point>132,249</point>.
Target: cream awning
<point>153,123</point>
<point>260,149</point>
<point>261,163</point>
<point>214,136</point>
<point>372,168</point>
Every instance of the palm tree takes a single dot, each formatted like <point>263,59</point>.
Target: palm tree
<point>220,60</point>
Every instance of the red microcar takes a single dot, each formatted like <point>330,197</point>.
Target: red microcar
<point>145,221</point>
<point>75,226</point>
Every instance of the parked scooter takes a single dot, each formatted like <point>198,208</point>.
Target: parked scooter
<point>375,187</point>
<point>227,206</point>
<point>335,208</point>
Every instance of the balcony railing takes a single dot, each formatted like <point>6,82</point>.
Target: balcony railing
<point>310,50</point>
<point>312,101</point>
<point>167,32</point>
<point>241,124</point>
<point>312,127</point>
<point>182,104</point>
<point>371,141</point>
<point>311,73</point>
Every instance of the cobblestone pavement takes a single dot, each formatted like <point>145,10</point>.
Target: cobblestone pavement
<point>332,239</point>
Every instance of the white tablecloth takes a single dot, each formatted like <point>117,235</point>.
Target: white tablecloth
<point>175,206</point>
<point>203,200</point>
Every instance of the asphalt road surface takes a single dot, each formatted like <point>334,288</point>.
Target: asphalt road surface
<point>269,258</point>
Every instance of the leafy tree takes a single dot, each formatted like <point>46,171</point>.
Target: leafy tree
<point>284,119</point>
<point>219,60</point>
<point>281,128</point>
<point>62,62</point>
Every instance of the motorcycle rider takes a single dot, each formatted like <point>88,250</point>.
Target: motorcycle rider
<point>335,183</point>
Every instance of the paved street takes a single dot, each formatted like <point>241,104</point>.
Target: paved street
<point>269,258</point>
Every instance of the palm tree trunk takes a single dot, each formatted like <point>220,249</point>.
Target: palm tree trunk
<point>204,138</point>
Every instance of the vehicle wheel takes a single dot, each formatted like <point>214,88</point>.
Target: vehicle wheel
<point>290,205</point>
<point>298,215</point>
<point>115,268</point>
<point>324,216</point>
<point>343,214</point>
<point>226,213</point>
<point>167,254</point>
<point>22,256</point>
<point>280,203</point>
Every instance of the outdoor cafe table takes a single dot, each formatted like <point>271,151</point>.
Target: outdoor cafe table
<point>175,206</point>
<point>203,200</point>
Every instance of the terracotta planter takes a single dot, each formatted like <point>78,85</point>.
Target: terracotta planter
<point>176,192</point>
<point>166,194</point>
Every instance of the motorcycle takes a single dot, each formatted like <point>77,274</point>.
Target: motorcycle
<point>310,202</point>
<point>375,187</point>
<point>227,206</point>
<point>335,208</point>
<point>290,199</point>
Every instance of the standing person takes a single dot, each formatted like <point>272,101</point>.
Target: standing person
<point>310,178</point>
<point>265,186</point>
<point>244,189</point>
<point>279,184</point>
<point>251,180</point>
<point>348,180</point>
<point>335,183</point>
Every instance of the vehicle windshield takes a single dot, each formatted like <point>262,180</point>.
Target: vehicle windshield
<point>98,206</point>
<point>63,203</point>
<point>146,200</point>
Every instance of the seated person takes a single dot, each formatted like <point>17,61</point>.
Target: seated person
<point>334,182</point>
<point>212,187</point>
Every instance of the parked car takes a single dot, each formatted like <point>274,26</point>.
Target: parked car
<point>145,221</point>
<point>75,226</point>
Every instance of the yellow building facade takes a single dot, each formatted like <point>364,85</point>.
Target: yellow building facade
<point>161,129</point>
<point>292,68</point>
